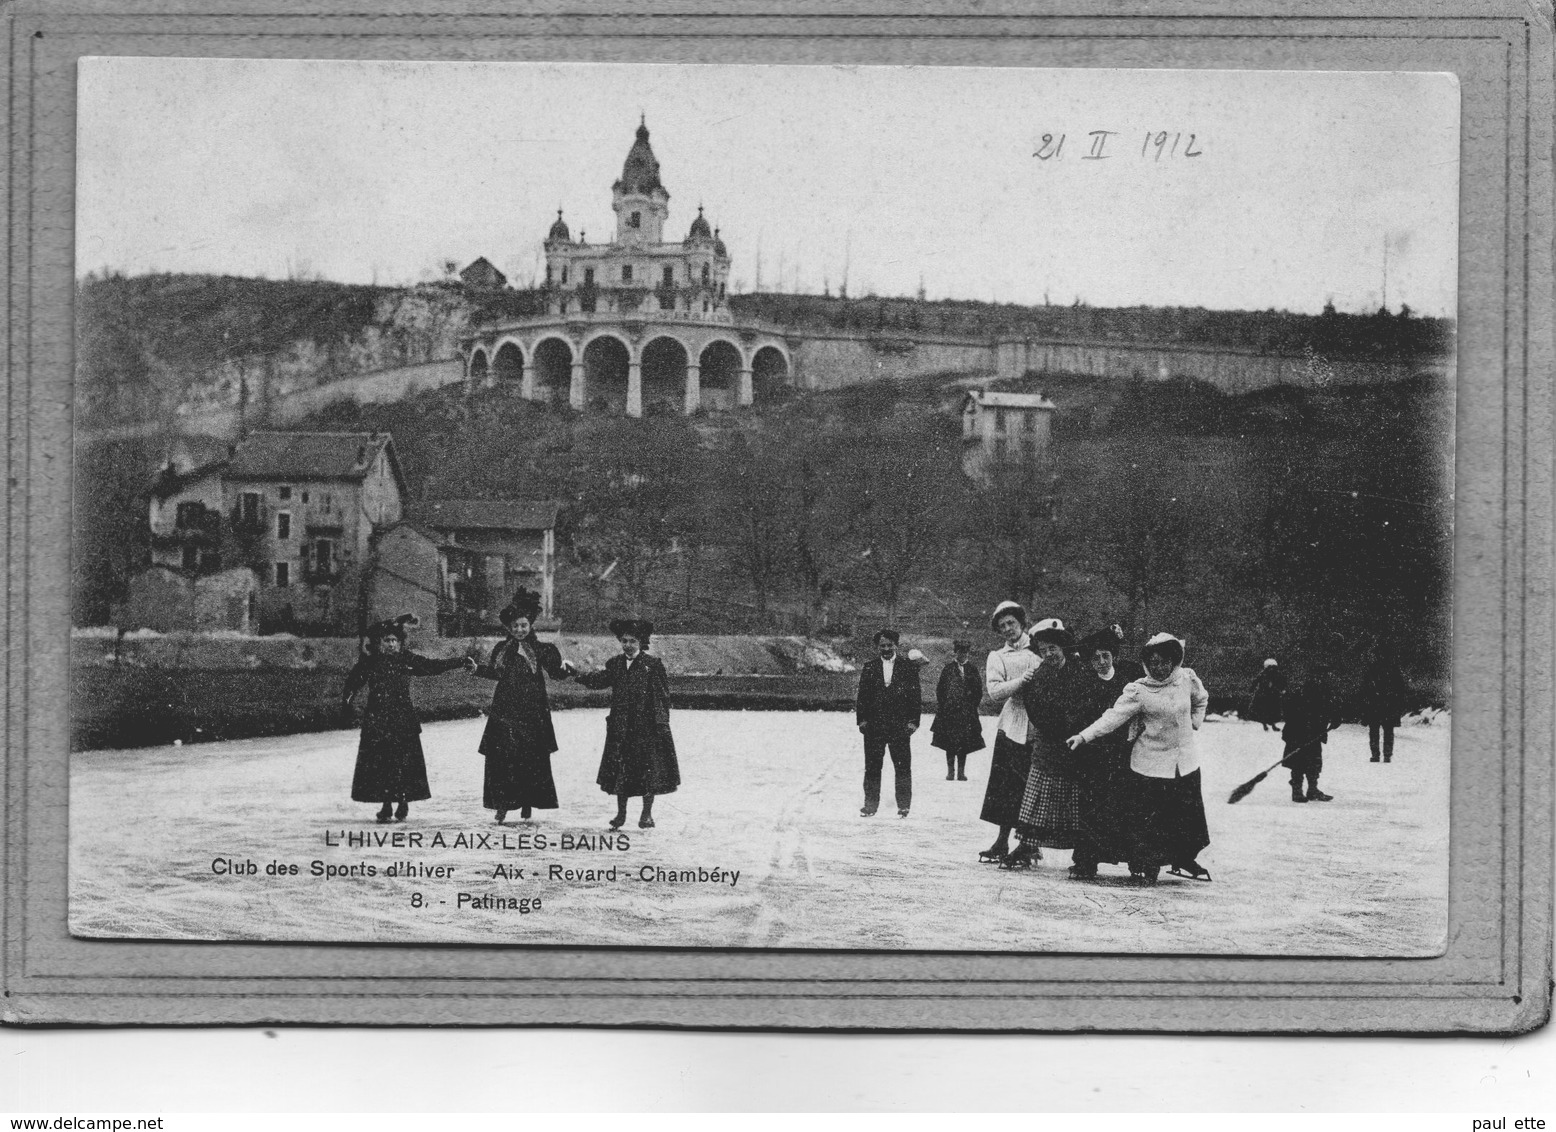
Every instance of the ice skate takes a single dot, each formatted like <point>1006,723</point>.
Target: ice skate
<point>500,815</point>
<point>1022,858</point>
<point>1193,870</point>
<point>402,811</point>
<point>1314,794</point>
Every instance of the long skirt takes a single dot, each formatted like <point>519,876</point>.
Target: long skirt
<point>1008,768</point>
<point>1051,806</point>
<point>1168,816</point>
<point>517,778</point>
<point>390,768</point>
<point>1104,780</point>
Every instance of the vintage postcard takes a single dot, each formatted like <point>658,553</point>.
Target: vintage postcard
<point>750,507</point>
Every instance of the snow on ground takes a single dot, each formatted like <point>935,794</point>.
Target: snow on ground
<point>775,796</point>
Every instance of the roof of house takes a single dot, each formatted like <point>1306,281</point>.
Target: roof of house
<point>996,400</point>
<point>482,267</point>
<point>169,482</point>
<point>484,514</point>
<point>311,456</point>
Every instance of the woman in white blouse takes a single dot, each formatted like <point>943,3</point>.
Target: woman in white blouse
<point>1165,808</point>
<point>1010,669</point>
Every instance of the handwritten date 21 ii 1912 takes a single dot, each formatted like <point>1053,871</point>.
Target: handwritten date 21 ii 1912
<point>1101,145</point>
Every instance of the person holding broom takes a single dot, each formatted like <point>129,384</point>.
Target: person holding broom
<point>1162,799</point>
<point>1311,713</point>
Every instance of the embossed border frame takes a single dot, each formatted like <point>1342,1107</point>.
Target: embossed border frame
<point>1495,975</point>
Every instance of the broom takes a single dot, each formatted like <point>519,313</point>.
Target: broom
<point>1247,788</point>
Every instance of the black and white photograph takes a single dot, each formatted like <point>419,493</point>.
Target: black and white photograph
<point>732,506</point>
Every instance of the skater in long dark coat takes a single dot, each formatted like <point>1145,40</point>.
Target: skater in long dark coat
<point>1311,713</point>
<point>1165,807</point>
<point>887,710</point>
<point>1051,804</point>
<point>957,729</point>
<point>1383,696</point>
<point>519,740</point>
<point>639,758</point>
<point>1010,668</point>
<point>390,766</point>
<point>1266,695</point>
<point>1103,772</point>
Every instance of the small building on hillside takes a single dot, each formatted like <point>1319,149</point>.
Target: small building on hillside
<point>514,540</point>
<point>997,427</point>
<point>483,276</point>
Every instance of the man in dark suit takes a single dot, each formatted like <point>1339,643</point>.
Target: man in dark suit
<point>887,708</point>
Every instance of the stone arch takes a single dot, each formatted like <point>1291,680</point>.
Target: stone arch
<point>508,363</point>
<point>770,374</point>
<point>606,358</point>
<point>552,360</point>
<point>665,358</point>
<point>721,362</point>
<point>476,370</point>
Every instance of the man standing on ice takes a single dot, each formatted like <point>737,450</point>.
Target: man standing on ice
<point>887,709</point>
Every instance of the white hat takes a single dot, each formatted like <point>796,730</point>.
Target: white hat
<point>1164,642</point>
<point>1270,663</point>
<point>1048,623</point>
<point>1004,607</point>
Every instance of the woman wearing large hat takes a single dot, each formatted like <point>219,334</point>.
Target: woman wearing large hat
<point>1050,804</point>
<point>391,768</point>
<point>1009,668</point>
<point>1165,807</point>
<point>519,739</point>
<point>639,758</point>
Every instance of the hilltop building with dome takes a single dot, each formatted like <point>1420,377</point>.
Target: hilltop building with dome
<point>642,320</point>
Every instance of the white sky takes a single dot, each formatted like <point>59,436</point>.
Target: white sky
<point>381,171</point>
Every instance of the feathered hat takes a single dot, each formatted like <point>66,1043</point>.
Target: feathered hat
<point>524,603</point>
<point>632,627</point>
<point>1110,638</point>
<point>390,627</point>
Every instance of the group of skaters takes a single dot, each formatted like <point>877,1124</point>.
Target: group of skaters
<point>638,761</point>
<point>1312,710</point>
<point>1093,753</point>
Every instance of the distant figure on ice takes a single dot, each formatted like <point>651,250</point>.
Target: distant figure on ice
<point>1010,668</point>
<point>639,758</point>
<point>1050,804</point>
<point>1311,712</point>
<point>519,740</point>
<point>887,710</point>
<point>1384,694</point>
<point>957,730</point>
<point>1102,770</point>
<point>1264,698</point>
<point>1163,803</point>
<point>390,766</point>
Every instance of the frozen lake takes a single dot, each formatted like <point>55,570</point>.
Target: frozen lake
<point>772,796</point>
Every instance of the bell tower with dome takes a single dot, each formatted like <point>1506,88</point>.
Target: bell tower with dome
<point>640,201</point>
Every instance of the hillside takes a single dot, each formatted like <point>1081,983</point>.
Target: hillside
<point>149,346</point>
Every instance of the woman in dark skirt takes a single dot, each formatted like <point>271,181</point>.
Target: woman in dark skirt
<point>957,729</point>
<point>1163,803</point>
<point>639,758</point>
<point>519,740</point>
<point>1103,771</point>
<point>1051,804</point>
<point>1009,669</point>
<point>1265,697</point>
<point>390,766</point>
